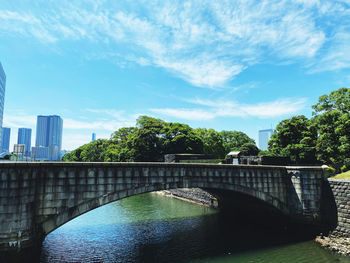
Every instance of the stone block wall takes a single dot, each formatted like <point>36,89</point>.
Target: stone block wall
<point>36,198</point>
<point>341,193</point>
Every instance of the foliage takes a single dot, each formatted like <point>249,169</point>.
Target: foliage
<point>249,149</point>
<point>343,176</point>
<point>152,138</point>
<point>332,119</point>
<point>338,100</point>
<point>324,138</point>
<point>181,138</point>
<point>212,142</point>
<point>91,152</point>
<point>295,138</point>
<point>233,140</point>
<point>265,153</point>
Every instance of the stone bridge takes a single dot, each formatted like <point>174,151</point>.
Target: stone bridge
<point>37,198</point>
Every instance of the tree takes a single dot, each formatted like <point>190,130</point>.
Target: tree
<point>180,138</point>
<point>338,100</point>
<point>331,115</point>
<point>212,142</point>
<point>121,135</point>
<point>90,152</point>
<point>249,149</point>
<point>145,145</point>
<point>149,123</point>
<point>152,138</point>
<point>233,140</point>
<point>295,138</point>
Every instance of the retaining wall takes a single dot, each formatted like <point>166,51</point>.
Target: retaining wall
<point>341,193</point>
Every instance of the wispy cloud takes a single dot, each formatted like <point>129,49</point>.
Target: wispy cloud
<point>19,120</point>
<point>222,108</point>
<point>206,43</point>
<point>337,57</point>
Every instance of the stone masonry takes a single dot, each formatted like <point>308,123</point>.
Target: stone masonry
<point>37,198</point>
<point>341,193</point>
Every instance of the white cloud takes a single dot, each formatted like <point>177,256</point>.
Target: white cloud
<point>337,56</point>
<point>203,72</point>
<point>206,43</point>
<point>19,121</point>
<point>186,114</point>
<point>224,108</point>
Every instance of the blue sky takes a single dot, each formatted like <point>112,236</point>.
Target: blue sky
<point>228,65</point>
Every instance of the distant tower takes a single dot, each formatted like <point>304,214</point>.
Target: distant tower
<point>93,137</point>
<point>25,137</point>
<point>5,147</point>
<point>48,136</point>
<point>264,137</point>
<point>2,96</point>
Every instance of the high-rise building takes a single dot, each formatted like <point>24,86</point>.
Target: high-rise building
<point>5,139</point>
<point>93,137</point>
<point>2,96</point>
<point>264,137</point>
<point>25,137</point>
<point>19,149</point>
<point>40,153</point>
<point>49,134</point>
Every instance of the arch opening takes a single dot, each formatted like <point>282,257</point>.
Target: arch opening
<point>223,191</point>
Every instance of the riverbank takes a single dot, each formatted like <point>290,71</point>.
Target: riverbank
<point>335,243</point>
<point>192,195</point>
<point>339,239</point>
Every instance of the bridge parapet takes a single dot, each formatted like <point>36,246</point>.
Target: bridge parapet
<point>36,198</point>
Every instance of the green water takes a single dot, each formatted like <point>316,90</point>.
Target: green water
<point>154,228</point>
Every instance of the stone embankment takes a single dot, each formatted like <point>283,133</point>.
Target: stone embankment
<point>335,243</point>
<point>339,239</point>
<point>193,195</point>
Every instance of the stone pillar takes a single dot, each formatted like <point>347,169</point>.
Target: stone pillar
<point>18,231</point>
<point>304,193</point>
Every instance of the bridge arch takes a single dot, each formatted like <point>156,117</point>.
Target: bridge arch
<point>36,198</point>
<point>70,213</point>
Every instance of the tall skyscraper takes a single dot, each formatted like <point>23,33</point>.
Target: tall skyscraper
<point>25,137</point>
<point>2,96</point>
<point>264,137</point>
<point>5,139</point>
<point>49,135</point>
<point>93,137</point>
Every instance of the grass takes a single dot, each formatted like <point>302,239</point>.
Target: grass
<point>342,176</point>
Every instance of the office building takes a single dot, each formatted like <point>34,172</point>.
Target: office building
<point>25,137</point>
<point>40,153</point>
<point>2,96</point>
<point>93,137</point>
<point>5,139</point>
<point>48,135</point>
<point>264,137</point>
<point>19,149</point>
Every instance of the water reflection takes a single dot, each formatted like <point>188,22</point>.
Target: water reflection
<point>153,228</point>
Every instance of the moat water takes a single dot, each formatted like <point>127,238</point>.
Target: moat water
<point>155,228</point>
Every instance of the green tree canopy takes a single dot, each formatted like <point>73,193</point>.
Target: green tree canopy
<point>295,138</point>
<point>152,138</point>
<point>248,149</point>
<point>212,142</point>
<point>181,138</point>
<point>332,119</point>
<point>90,152</point>
<point>233,140</point>
<point>338,100</point>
